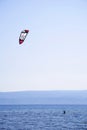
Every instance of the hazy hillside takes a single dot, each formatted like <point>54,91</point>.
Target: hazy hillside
<point>44,97</point>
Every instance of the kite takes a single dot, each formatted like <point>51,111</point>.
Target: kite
<point>23,36</point>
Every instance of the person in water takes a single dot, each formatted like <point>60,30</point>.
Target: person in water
<point>64,112</point>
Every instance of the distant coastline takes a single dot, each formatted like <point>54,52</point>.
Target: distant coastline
<point>44,97</point>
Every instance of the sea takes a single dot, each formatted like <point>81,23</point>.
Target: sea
<point>43,117</point>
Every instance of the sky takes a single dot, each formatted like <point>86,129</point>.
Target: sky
<point>54,53</point>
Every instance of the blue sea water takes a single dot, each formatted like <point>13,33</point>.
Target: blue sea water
<point>43,117</point>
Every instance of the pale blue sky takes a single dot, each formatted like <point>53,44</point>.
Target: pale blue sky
<point>54,54</point>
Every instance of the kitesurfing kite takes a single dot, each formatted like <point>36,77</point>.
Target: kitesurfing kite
<point>23,36</point>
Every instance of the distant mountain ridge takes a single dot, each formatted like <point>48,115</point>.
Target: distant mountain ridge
<point>44,97</point>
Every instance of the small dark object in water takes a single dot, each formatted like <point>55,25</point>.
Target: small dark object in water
<point>64,112</point>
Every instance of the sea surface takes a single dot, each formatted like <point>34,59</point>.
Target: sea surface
<point>43,117</point>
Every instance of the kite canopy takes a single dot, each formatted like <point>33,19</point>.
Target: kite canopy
<point>23,36</point>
